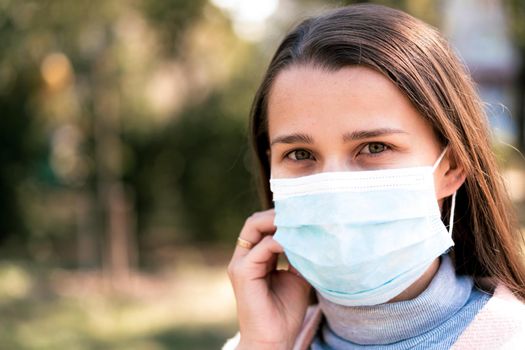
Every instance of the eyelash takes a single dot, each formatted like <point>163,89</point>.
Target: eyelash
<point>386,148</point>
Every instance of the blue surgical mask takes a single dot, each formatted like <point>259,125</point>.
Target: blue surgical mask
<point>361,237</point>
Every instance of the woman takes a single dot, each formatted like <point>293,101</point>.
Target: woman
<point>373,150</point>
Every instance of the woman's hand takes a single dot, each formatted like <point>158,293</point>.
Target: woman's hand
<point>271,304</point>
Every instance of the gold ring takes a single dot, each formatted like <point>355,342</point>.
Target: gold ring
<point>244,243</point>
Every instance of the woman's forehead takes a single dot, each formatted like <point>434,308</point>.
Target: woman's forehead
<point>352,98</point>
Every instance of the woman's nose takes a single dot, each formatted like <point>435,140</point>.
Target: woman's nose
<point>333,164</point>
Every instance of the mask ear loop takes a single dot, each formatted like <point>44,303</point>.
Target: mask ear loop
<point>453,204</point>
<point>436,164</point>
<point>451,216</point>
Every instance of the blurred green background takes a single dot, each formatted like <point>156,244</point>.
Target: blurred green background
<point>125,173</point>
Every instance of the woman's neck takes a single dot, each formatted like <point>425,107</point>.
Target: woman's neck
<point>420,285</point>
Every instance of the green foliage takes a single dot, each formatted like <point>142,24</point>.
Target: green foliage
<point>77,115</point>
<point>516,12</point>
<point>198,168</point>
<point>171,18</point>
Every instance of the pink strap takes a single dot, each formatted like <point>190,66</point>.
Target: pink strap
<point>310,326</point>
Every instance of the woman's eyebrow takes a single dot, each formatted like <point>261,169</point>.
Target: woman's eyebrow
<point>293,138</point>
<point>349,136</point>
<point>366,134</point>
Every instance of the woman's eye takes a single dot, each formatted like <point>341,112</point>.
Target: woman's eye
<point>374,147</point>
<point>300,154</point>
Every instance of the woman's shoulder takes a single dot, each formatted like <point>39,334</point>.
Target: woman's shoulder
<point>500,324</point>
<point>502,301</point>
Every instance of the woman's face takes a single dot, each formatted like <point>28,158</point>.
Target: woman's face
<point>352,119</point>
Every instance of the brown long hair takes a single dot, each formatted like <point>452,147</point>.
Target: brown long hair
<point>419,61</point>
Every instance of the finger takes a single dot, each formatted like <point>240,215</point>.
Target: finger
<point>256,264</point>
<point>261,259</point>
<point>255,228</point>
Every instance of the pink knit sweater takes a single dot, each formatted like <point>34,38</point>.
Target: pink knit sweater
<point>500,324</point>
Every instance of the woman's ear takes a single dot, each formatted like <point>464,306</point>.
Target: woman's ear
<point>268,154</point>
<point>451,175</point>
